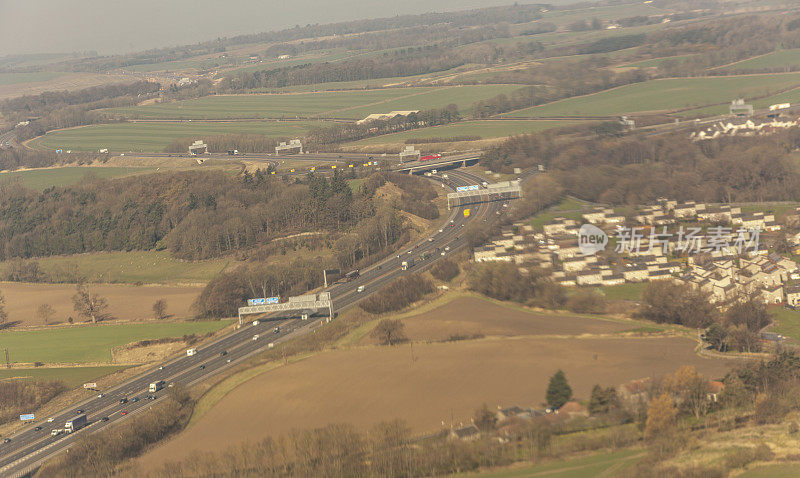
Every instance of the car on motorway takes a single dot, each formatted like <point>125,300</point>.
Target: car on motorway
<point>452,225</point>
<point>79,411</point>
<point>276,330</point>
<point>447,248</point>
<point>123,400</point>
<point>255,322</point>
<point>104,419</point>
<point>223,353</point>
<point>202,367</point>
<point>161,367</point>
<point>50,420</point>
<point>360,288</point>
<point>135,399</point>
<point>101,395</point>
<point>430,239</point>
<point>255,337</point>
<point>37,428</point>
<point>124,412</point>
<point>442,252</point>
<point>228,361</point>
<point>441,230</point>
<point>7,440</point>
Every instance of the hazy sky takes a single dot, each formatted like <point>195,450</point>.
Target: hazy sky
<point>117,26</point>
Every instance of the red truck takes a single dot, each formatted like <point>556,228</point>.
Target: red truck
<point>430,156</point>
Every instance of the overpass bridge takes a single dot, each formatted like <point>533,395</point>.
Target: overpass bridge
<point>446,162</point>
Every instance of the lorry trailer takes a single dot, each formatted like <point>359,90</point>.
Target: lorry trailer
<point>156,386</point>
<point>76,423</point>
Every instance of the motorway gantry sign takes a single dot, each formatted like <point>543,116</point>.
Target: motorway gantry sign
<point>26,417</point>
<point>263,301</point>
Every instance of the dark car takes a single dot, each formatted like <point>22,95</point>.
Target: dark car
<point>202,367</point>
<point>7,440</point>
<point>123,400</point>
<point>135,399</point>
<point>37,428</point>
<point>277,330</point>
<point>104,419</point>
<point>79,411</point>
<point>223,353</point>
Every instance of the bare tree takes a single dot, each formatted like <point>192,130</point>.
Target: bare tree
<point>389,332</point>
<point>160,309</point>
<point>3,313</point>
<point>45,312</point>
<point>88,305</point>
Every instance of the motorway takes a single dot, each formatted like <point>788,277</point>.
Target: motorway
<point>29,449</point>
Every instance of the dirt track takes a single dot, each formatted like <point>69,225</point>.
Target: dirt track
<point>366,385</point>
<point>126,302</point>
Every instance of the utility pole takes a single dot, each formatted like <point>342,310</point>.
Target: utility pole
<point>8,363</point>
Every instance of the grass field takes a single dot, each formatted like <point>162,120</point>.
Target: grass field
<point>787,322</point>
<point>14,78</point>
<point>786,470</point>
<point>776,59</point>
<point>40,179</point>
<point>72,376</point>
<point>569,208</point>
<point>484,129</point>
<point>92,344</point>
<point>154,137</point>
<point>600,464</point>
<point>267,105</point>
<point>125,302</point>
<point>149,267</point>
<point>664,95</point>
<point>654,62</point>
<point>332,104</point>
<point>628,291</point>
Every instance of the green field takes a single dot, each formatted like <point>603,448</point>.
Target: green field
<point>623,291</point>
<point>14,78</point>
<point>484,129</point>
<point>786,470</point>
<point>791,96</point>
<point>601,464</point>
<point>72,376</point>
<point>154,137</point>
<point>39,179</point>
<point>267,105</point>
<point>330,104</point>
<point>776,59</point>
<point>653,62</point>
<point>149,267</point>
<point>86,343</point>
<point>787,322</point>
<point>664,95</point>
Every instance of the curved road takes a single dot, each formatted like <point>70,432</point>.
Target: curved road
<point>29,449</point>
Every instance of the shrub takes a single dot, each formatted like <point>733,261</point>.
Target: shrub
<point>445,270</point>
<point>398,294</point>
<point>586,302</point>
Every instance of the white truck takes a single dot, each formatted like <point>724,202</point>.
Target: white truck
<point>156,386</point>
<point>75,423</point>
<point>405,265</point>
<point>190,352</point>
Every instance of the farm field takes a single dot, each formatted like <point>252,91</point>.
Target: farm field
<point>664,95</point>
<point>468,316</point>
<point>599,464</point>
<point>125,302</point>
<point>787,470</point>
<point>484,129</point>
<point>154,137</point>
<point>92,344</point>
<point>149,267</point>
<point>14,78</point>
<point>40,179</point>
<point>72,376</point>
<point>265,105</point>
<point>790,96</point>
<point>330,104</point>
<point>40,83</point>
<point>424,386</point>
<point>654,62</point>
<point>776,59</point>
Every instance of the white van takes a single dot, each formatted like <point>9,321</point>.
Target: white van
<point>360,288</point>
<point>255,337</point>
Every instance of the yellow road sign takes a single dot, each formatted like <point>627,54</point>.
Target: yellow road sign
<point>466,212</point>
